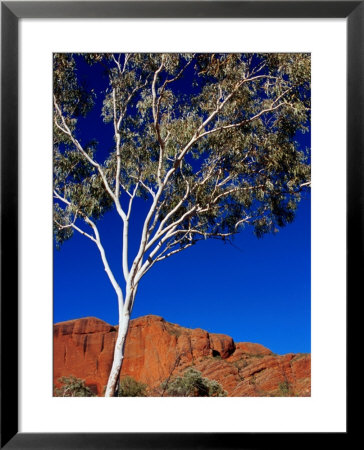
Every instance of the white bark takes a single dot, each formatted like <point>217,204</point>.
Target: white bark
<point>118,355</point>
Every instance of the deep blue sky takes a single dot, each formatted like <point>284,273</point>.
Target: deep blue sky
<point>256,291</point>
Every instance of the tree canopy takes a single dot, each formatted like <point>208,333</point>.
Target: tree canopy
<point>213,152</point>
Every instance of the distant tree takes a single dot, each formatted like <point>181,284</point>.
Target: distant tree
<point>193,384</point>
<point>73,387</point>
<point>208,140</point>
<point>129,387</point>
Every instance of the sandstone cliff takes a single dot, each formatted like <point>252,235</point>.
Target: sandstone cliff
<point>157,350</point>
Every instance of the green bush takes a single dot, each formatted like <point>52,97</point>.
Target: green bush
<point>131,388</point>
<point>285,389</point>
<point>73,387</point>
<point>193,384</point>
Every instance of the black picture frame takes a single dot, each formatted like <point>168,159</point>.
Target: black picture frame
<point>11,12</point>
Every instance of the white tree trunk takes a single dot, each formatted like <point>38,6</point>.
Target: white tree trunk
<point>118,356</point>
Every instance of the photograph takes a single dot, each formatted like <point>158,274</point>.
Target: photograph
<point>181,224</point>
<point>181,219</point>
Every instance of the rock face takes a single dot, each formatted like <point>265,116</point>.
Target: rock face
<point>157,350</point>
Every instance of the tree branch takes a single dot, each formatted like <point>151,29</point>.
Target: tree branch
<point>90,160</point>
<point>97,241</point>
<point>243,122</point>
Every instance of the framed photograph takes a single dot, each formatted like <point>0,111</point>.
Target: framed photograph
<point>197,114</point>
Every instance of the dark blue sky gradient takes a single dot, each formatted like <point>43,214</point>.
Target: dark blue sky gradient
<point>257,290</point>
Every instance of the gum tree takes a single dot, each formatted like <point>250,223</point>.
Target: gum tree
<point>208,140</point>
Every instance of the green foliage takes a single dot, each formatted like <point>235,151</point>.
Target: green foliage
<point>192,384</point>
<point>129,387</point>
<point>284,389</point>
<point>216,154</point>
<point>73,387</point>
<point>76,99</point>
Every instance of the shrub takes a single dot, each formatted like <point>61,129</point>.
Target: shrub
<point>285,389</point>
<point>192,384</point>
<point>73,387</point>
<point>131,388</point>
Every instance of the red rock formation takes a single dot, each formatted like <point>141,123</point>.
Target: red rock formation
<point>157,349</point>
